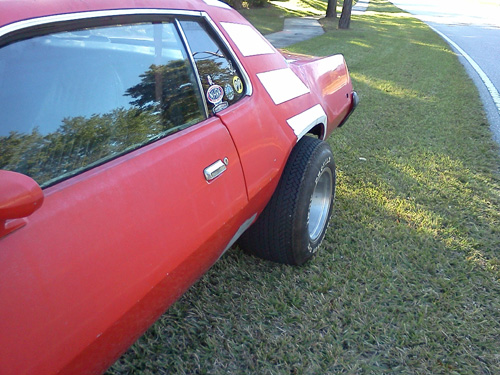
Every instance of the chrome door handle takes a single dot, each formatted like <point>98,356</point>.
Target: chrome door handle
<point>214,170</point>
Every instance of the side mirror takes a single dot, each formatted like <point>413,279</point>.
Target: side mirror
<point>20,196</point>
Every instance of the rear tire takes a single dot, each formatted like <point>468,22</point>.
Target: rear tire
<point>294,222</point>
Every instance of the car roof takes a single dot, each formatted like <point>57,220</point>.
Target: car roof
<point>19,10</point>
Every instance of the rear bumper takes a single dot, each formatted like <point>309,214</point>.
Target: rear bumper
<point>355,102</point>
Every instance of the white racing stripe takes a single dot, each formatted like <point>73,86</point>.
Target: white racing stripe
<point>217,3</point>
<point>248,41</point>
<point>305,121</point>
<point>282,85</point>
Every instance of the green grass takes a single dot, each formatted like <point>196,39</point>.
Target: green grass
<point>305,7</point>
<point>407,281</point>
<point>270,18</point>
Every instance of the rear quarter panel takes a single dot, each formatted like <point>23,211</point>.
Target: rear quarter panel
<point>329,80</point>
<point>259,125</point>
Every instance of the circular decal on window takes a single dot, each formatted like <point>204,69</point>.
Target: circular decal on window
<point>237,84</point>
<point>229,91</point>
<point>215,94</point>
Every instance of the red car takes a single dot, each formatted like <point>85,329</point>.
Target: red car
<point>139,140</point>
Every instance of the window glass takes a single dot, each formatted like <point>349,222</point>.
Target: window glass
<point>72,100</point>
<point>220,79</point>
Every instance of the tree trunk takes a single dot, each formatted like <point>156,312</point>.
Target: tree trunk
<point>331,10</point>
<point>345,17</point>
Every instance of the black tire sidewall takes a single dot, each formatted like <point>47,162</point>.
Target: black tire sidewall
<point>281,233</point>
<point>320,159</point>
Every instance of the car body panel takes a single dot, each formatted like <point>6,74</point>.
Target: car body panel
<point>77,281</point>
<point>329,79</point>
<point>111,248</point>
<point>16,11</point>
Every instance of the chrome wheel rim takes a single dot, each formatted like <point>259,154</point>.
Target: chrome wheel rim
<point>319,207</point>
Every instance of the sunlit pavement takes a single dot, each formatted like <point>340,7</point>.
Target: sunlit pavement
<point>472,28</point>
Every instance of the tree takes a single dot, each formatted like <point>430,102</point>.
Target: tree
<point>237,4</point>
<point>345,17</point>
<point>169,90</point>
<point>331,10</point>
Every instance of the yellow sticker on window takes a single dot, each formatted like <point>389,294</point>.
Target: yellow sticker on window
<point>237,84</point>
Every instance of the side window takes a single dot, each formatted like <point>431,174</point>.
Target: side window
<point>221,82</point>
<point>72,100</point>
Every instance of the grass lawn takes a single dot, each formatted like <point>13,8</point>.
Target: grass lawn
<point>407,281</point>
<point>270,19</point>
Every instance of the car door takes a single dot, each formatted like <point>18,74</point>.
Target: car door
<point>143,189</point>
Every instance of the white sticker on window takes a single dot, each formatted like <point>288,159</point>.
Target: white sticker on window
<point>248,41</point>
<point>305,121</point>
<point>217,3</point>
<point>282,85</point>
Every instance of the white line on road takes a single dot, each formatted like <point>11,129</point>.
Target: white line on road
<point>489,85</point>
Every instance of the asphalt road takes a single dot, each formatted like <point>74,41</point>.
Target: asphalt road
<point>472,28</point>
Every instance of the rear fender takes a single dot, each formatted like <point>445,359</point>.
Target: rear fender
<point>328,78</point>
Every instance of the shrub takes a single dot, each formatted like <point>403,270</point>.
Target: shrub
<point>238,4</point>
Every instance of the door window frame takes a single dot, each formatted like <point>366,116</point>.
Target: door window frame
<point>70,21</point>
<point>40,26</point>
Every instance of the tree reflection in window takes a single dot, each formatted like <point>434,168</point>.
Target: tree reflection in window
<point>163,100</point>
<point>170,91</point>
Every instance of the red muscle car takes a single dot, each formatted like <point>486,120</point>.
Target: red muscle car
<point>139,140</point>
